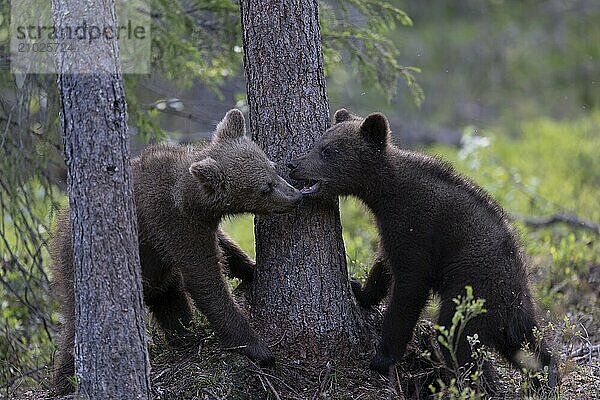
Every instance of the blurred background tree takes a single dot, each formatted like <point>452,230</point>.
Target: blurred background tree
<point>506,89</point>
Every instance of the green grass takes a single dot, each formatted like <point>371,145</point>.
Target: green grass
<point>546,167</point>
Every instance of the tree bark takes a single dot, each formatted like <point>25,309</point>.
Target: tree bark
<point>301,295</point>
<point>111,359</point>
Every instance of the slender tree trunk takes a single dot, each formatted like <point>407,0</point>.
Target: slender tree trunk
<point>301,296</point>
<point>111,359</point>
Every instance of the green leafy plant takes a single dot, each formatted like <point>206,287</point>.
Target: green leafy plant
<point>465,382</point>
<point>368,44</point>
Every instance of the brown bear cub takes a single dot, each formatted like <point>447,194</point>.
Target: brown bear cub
<point>181,194</point>
<point>438,231</point>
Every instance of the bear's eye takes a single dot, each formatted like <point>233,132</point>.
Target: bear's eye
<point>327,153</point>
<point>268,189</point>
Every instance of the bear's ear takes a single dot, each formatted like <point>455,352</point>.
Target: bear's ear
<point>232,126</point>
<point>376,129</point>
<point>208,173</point>
<point>342,115</point>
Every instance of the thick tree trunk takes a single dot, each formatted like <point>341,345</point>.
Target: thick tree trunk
<point>301,296</point>
<point>111,359</point>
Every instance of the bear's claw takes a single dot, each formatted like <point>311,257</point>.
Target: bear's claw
<point>260,354</point>
<point>358,292</point>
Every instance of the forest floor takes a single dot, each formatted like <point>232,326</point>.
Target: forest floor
<point>204,370</point>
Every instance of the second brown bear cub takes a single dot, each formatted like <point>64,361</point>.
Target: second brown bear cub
<point>181,194</point>
<point>438,231</point>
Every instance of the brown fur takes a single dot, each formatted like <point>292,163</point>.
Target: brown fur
<point>181,194</point>
<point>439,231</point>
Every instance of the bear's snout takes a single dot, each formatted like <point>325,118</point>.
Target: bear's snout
<point>292,165</point>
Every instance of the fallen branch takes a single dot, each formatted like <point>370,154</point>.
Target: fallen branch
<point>571,220</point>
<point>263,378</point>
<point>584,351</point>
<point>24,375</point>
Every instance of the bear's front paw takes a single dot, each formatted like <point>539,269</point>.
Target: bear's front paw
<point>260,354</point>
<point>358,292</point>
<point>244,271</point>
<point>382,364</point>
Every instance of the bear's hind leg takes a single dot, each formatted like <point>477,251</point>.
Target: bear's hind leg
<point>521,333</point>
<point>62,268</point>
<point>64,361</point>
<point>173,311</point>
